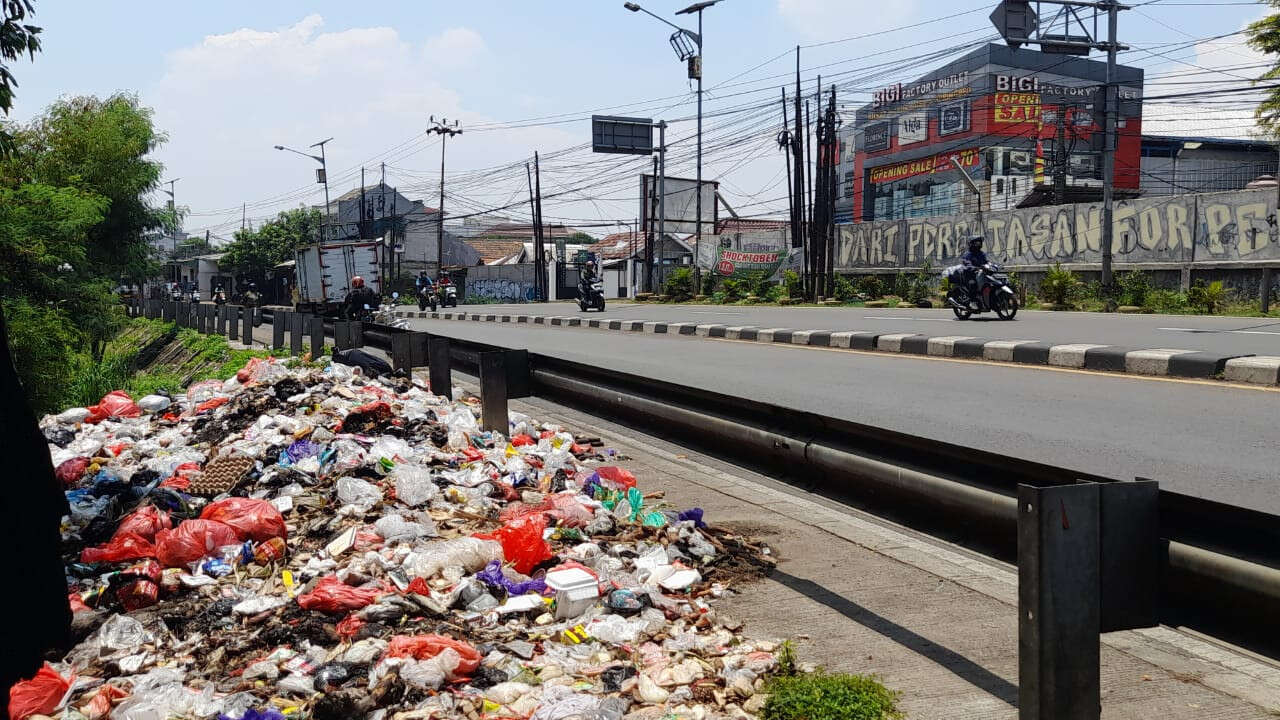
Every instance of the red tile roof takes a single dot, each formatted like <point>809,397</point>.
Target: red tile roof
<point>492,249</point>
<point>732,225</point>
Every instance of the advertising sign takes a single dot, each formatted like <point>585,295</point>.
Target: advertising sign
<point>749,253</point>
<point>953,117</point>
<point>913,128</point>
<point>1016,108</point>
<point>876,137</point>
<point>681,204</point>
<point>925,166</point>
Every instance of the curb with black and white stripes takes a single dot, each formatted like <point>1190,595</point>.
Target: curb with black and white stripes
<point>1259,370</point>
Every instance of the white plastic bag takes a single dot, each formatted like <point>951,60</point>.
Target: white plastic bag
<point>394,528</point>
<point>471,554</point>
<point>414,486</point>
<point>357,492</point>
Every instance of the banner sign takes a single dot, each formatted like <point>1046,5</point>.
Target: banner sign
<point>876,137</point>
<point>953,117</point>
<point>925,166</point>
<point>1016,108</point>
<point>913,128</point>
<point>752,252</point>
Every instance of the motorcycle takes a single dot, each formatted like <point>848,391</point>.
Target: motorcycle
<point>448,295</point>
<point>426,297</point>
<point>220,298</point>
<point>195,296</point>
<point>995,293</point>
<point>176,295</point>
<point>593,297</point>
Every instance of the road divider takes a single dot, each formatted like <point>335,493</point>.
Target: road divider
<point>1161,362</point>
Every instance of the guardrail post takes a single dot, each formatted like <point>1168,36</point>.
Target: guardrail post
<point>418,348</point>
<point>233,322</point>
<point>202,319</point>
<point>278,320</point>
<point>223,313</point>
<point>357,334</point>
<point>246,333</point>
<point>441,376</point>
<point>316,325</point>
<point>1059,614</point>
<point>1129,543</point>
<point>493,392</point>
<point>297,325</point>
<point>402,352</point>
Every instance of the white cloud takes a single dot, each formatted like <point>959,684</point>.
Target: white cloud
<point>226,101</point>
<point>455,47</point>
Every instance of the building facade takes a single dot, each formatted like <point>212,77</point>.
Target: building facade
<point>1001,115</point>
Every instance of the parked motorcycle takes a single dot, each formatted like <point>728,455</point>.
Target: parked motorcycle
<point>426,297</point>
<point>995,293</point>
<point>592,297</point>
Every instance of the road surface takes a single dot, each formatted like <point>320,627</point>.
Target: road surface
<point>1232,335</point>
<point>1205,439</point>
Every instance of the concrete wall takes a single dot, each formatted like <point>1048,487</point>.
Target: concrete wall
<point>507,283</point>
<point>1181,229</point>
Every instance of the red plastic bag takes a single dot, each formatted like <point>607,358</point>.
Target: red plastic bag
<point>521,441</point>
<point>522,543</point>
<point>100,706</point>
<point>349,626</point>
<point>38,696</point>
<point>145,522</point>
<point>616,478</point>
<point>76,603</point>
<point>256,520</point>
<point>208,405</point>
<point>115,404</point>
<point>471,454</point>
<point>121,547</point>
<point>418,586</point>
<point>193,540</point>
<point>331,595</point>
<point>70,471</point>
<point>144,588</point>
<point>425,647</point>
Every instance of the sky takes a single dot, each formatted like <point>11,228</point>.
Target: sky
<point>230,80</point>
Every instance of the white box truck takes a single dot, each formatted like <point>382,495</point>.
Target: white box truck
<point>325,271</point>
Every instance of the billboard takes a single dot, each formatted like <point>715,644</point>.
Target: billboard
<point>681,205</point>
<point>925,166</point>
<point>749,252</point>
<point>913,128</point>
<point>876,137</point>
<point>621,135</point>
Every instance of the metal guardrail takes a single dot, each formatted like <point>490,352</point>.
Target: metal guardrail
<point>1219,564</point>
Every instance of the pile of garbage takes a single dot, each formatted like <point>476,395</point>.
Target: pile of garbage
<point>298,542</point>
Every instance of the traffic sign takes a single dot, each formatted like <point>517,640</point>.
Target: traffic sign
<point>1016,21</point>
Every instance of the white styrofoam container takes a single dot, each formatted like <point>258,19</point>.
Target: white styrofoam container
<point>576,591</point>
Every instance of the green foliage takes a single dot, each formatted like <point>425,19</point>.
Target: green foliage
<point>42,340</point>
<point>844,290</point>
<point>1264,36</point>
<point>1059,286</point>
<point>823,696</point>
<point>1134,286</point>
<point>787,665</point>
<point>1207,298</point>
<point>901,285</point>
<point>1166,301</point>
<point>257,251</point>
<point>679,285</point>
<point>773,294</point>
<point>735,289</point>
<point>920,285</point>
<point>708,283</point>
<point>791,279</point>
<point>871,287</point>
<point>16,39</point>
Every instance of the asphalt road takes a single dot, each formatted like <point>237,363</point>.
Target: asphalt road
<point>1245,336</point>
<point>1205,439</point>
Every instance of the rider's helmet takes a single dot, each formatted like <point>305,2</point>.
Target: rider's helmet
<point>357,282</point>
<point>975,242</point>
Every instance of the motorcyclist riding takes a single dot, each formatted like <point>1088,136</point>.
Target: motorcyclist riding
<point>220,296</point>
<point>974,260</point>
<point>251,296</point>
<point>587,277</point>
<point>423,281</point>
<point>357,297</point>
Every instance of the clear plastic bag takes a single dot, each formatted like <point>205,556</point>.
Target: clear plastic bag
<point>354,491</point>
<point>471,554</point>
<point>414,486</point>
<point>394,528</point>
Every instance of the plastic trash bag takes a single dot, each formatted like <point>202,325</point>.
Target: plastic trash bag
<point>354,491</point>
<point>414,486</point>
<point>425,647</point>
<point>73,416</point>
<point>40,695</point>
<point>471,554</point>
<point>146,521</point>
<point>493,577</point>
<point>121,548</point>
<point>370,365</point>
<point>154,403</point>
<point>394,528</point>
<point>70,471</point>
<point>193,540</point>
<point>522,543</point>
<point>115,404</point>
<point>331,595</point>
<point>256,520</point>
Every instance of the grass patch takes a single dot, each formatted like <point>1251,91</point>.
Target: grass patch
<point>823,696</point>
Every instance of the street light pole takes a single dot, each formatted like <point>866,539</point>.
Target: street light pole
<point>173,208</point>
<point>445,132</point>
<point>322,175</point>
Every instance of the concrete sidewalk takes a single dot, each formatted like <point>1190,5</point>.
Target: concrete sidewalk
<point>934,621</point>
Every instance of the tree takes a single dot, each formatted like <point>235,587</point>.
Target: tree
<point>16,39</point>
<point>1264,36</point>
<point>254,252</point>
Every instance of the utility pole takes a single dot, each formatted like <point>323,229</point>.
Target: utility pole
<point>797,158</point>
<point>360,216</point>
<point>662,202</point>
<point>540,248</point>
<point>445,132</point>
<point>244,214</point>
<point>833,147</point>
<point>1109,148</point>
<point>538,273</point>
<point>784,141</point>
<point>1060,158</point>
<point>173,208</point>
<point>809,206</point>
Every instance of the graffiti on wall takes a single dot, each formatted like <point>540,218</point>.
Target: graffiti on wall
<point>500,289</point>
<point>1237,226</point>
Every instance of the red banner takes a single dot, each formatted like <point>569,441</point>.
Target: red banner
<point>926,166</point>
